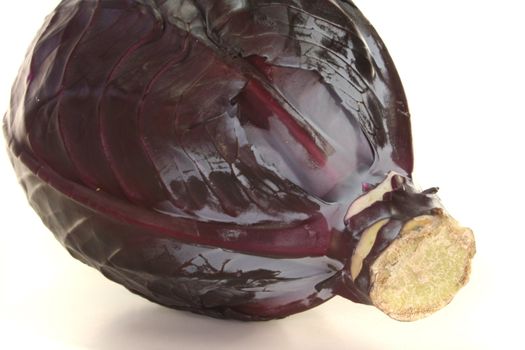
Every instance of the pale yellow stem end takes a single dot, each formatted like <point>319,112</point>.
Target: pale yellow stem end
<point>422,269</point>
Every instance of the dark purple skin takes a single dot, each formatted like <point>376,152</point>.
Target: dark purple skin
<point>204,153</point>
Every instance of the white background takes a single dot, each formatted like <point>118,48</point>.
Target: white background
<point>462,64</point>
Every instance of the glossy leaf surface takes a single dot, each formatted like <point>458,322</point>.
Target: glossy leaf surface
<point>190,148</point>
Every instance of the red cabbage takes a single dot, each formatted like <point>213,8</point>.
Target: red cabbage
<point>228,157</point>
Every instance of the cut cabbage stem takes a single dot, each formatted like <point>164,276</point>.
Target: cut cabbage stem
<point>423,268</point>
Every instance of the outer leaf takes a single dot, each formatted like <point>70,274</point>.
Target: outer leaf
<point>204,153</point>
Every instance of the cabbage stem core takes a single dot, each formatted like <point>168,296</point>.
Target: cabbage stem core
<point>421,270</point>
